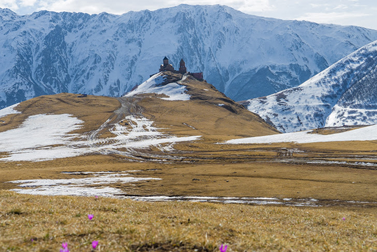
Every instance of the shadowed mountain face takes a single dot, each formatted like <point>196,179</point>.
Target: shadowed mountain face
<point>343,94</point>
<point>243,56</point>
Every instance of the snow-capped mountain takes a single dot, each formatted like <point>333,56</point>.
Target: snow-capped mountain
<point>343,94</point>
<point>243,56</point>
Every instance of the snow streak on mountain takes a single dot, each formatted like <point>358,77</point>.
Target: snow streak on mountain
<point>244,56</point>
<point>343,94</point>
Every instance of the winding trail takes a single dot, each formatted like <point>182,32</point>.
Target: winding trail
<point>130,111</point>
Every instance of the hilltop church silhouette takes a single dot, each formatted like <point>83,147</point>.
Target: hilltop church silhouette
<point>165,66</point>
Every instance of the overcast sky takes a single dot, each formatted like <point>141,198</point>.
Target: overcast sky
<point>344,12</point>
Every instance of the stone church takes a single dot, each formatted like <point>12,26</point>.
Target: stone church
<point>182,68</point>
<point>166,66</point>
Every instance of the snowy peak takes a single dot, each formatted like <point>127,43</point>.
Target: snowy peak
<point>243,56</point>
<point>7,15</point>
<point>343,94</point>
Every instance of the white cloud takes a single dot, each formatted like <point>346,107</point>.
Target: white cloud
<point>256,6</point>
<point>28,2</point>
<point>11,4</point>
<point>331,17</point>
<point>341,6</point>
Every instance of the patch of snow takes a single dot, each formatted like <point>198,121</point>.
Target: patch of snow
<point>37,132</point>
<point>342,163</point>
<point>188,125</point>
<point>9,111</point>
<point>70,190</point>
<point>174,91</point>
<point>98,185</point>
<point>77,186</point>
<point>234,200</point>
<point>351,116</point>
<point>143,135</point>
<point>256,202</point>
<point>364,134</point>
<point>43,153</point>
<point>96,173</point>
<point>47,137</point>
<point>221,104</point>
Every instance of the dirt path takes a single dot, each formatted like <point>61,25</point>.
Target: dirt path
<point>129,106</point>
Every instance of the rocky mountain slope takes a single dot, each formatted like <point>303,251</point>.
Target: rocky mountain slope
<point>343,94</point>
<point>244,56</point>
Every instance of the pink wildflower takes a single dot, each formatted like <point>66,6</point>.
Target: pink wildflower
<point>223,248</point>
<point>90,216</point>
<point>65,247</point>
<point>94,244</point>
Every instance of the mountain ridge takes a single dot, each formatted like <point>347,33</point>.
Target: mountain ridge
<point>244,56</point>
<point>343,94</point>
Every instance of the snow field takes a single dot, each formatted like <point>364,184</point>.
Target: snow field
<point>9,111</point>
<point>174,91</point>
<point>350,116</point>
<point>48,137</point>
<point>77,186</point>
<point>363,134</point>
<point>34,138</point>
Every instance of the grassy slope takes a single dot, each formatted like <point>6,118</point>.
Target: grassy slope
<point>93,110</point>
<point>251,170</point>
<point>204,115</point>
<point>35,223</point>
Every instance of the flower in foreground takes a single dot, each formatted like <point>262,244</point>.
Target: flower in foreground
<point>65,247</point>
<point>344,218</point>
<point>223,248</point>
<point>90,216</point>
<point>94,244</point>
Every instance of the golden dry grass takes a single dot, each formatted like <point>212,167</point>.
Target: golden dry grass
<point>245,178</point>
<point>125,225</point>
<point>201,168</point>
<point>93,110</point>
<point>203,116</point>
